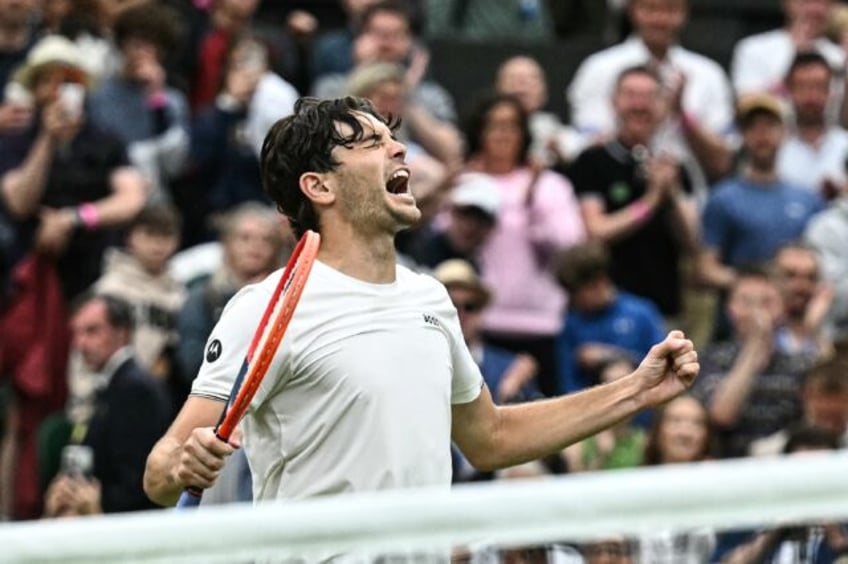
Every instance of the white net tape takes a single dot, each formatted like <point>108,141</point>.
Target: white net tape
<point>717,495</point>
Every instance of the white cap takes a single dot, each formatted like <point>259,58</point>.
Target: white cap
<point>474,189</point>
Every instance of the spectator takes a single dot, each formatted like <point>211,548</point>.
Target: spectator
<point>333,50</point>
<point>473,206</point>
<point>384,84</point>
<point>17,36</point>
<point>131,412</point>
<point>254,244</point>
<point>387,36</point>
<point>751,384</point>
<point>67,184</point>
<point>806,300</point>
<point>813,154</point>
<point>553,142</point>
<point>760,62</point>
<point>634,198</point>
<point>137,105</point>
<point>748,217</point>
<point>827,233</point>
<point>509,376</point>
<point>526,21</point>
<point>681,434</point>
<point>820,543</point>
<point>824,400</point>
<point>700,103</point>
<point>227,136</point>
<point>140,277</point>
<point>620,446</point>
<point>538,217</point>
<point>602,323</point>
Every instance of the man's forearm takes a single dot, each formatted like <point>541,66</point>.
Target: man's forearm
<point>160,483</point>
<point>23,187</point>
<point>732,393</point>
<point>533,430</point>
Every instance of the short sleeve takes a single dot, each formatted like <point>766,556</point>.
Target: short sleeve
<point>227,345</point>
<point>466,381</point>
<point>715,223</point>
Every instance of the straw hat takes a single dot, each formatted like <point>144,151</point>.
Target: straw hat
<point>51,50</point>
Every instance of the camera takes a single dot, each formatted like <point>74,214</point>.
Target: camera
<point>78,460</point>
<point>72,96</point>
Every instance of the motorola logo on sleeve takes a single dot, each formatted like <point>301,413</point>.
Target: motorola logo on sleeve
<point>213,351</point>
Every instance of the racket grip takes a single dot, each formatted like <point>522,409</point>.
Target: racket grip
<point>190,498</point>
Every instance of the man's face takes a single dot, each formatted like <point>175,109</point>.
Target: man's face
<point>812,14</point>
<point>469,307</point>
<point>809,90</point>
<point>752,299</point>
<point>469,228</point>
<point>16,13</point>
<point>251,246</point>
<point>637,103</point>
<point>392,37</point>
<point>388,98</point>
<point>798,275</point>
<point>658,22</point>
<point>762,138</point>
<point>523,77</point>
<point>593,296</point>
<point>152,248</point>
<point>371,183</point>
<point>825,410</point>
<point>94,337</point>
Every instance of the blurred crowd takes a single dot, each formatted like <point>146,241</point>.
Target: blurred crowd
<point>675,194</point>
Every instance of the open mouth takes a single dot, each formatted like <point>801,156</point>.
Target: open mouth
<point>398,182</point>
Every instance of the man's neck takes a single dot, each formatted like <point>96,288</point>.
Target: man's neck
<point>630,140</point>
<point>371,259</point>
<point>658,51</point>
<point>811,132</point>
<point>760,175</point>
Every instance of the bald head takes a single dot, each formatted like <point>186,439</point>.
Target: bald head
<point>524,78</point>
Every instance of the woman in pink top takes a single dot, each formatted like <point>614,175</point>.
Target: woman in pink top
<point>539,215</point>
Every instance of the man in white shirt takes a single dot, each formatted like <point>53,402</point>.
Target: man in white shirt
<point>813,154</point>
<point>373,379</point>
<point>700,102</point>
<point>760,61</point>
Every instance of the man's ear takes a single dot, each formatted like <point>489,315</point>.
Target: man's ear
<point>313,187</point>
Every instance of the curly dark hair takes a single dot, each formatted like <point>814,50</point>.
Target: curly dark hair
<point>152,22</point>
<point>478,116</point>
<point>303,142</point>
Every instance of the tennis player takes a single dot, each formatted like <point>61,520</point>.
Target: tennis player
<point>372,380</point>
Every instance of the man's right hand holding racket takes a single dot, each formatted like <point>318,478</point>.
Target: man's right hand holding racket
<point>203,457</point>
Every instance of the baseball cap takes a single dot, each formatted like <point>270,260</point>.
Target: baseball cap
<point>459,272</point>
<point>477,190</point>
<point>750,104</point>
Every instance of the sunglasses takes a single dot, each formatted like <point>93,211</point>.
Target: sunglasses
<point>468,307</point>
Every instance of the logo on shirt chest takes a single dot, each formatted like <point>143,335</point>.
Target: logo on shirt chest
<point>431,319</point>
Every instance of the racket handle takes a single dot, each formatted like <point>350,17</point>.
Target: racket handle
<point>190,498</point>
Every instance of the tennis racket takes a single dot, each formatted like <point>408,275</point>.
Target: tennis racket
<point>275,320</point>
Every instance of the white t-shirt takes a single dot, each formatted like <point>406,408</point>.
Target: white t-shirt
<point>809,165</point>
<point>707,97</point>
<point>760,61</point>
<point>358,396</point>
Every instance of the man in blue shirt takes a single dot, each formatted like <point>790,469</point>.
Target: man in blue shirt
<point>749,216</point>
<point>602,322</point>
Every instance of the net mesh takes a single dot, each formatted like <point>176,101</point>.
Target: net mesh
<point>715,496</point>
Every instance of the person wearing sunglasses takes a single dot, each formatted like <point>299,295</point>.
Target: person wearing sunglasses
<point>510,376</point>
